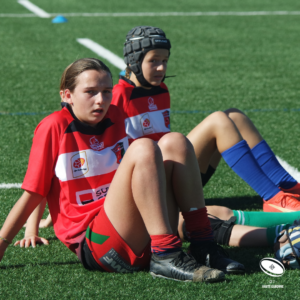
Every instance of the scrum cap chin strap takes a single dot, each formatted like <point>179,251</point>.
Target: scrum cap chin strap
<point>139,41</point>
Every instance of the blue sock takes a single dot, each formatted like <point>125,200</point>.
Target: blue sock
<point>270,165</point>
<point>241,160</point>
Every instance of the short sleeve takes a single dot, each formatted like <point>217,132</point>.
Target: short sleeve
<point>43,156</point>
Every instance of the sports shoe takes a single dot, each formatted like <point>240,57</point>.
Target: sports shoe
<point>287,247</point>
<point>181,266</point>
<point>282,202</point>
<point>214,256</point>
<point>294,190</point>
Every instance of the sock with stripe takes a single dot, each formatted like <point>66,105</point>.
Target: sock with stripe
<point>271,166</point>
<point>241,160</point>
<point>197,225</point>
<point>165,244</point>
<point>264,219</point>
<point>273,232</point>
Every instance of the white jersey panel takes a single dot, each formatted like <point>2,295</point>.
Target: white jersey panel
<point>147,123</point>
<point>88,163</point>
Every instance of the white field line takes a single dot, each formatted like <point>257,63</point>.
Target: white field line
<point>291,170</point>
<point>103,52</point>
<point>35,9</point>
<point>17,15</point>
<point>176,14</point>
<point>10,185</point>
<point>149,14</point>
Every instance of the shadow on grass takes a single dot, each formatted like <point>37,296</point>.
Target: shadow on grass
<point>241,203</point>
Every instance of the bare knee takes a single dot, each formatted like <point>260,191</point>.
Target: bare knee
<point>236,115</point>
<point>219,120</point>
<point>144,150</point>
<point>175,143</point>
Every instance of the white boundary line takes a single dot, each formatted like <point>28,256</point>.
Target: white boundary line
<point>41,13</point>
<point>35,9</point>
<point>103,52</point>
<point>291,170</point>
<point>176,14</point>
<point>17,15</point>
<point>10,185</point>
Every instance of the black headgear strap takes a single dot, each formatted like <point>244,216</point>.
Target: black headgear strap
<point>139,41</point>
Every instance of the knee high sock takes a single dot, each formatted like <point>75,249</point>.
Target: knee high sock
<point>270,165</point>
<point>241,160</point>
<point>197,226</point>
<point>264,219</point>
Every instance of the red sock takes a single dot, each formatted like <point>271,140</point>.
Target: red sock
<point>165,244</point>
<point>197,226</point>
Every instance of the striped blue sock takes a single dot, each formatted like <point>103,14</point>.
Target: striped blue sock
<point>270,165</point>
<point>241,160</point>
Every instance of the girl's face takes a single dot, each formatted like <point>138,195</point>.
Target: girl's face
<point>91,97</point>
<point>154,66</point>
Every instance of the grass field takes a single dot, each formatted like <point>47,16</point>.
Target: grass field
<point>249,62</point>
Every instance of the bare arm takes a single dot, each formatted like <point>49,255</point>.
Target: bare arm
<point>32,228</point>
<point>17,217</point>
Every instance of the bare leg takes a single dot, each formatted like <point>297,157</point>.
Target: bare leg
<point>241,235</point>
<point>248,236</point>
<point>245,126</point>
<point>135,203</point>
<point>216,132</point>
<point>182,176</point>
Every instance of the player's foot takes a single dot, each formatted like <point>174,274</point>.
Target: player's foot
<point>213,255</point>
<point>181,266</point>
<point>282,202</point>
<point>287,247</point>
<point>294,190</point>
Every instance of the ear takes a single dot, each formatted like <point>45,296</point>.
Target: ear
<point>66,96</point>
<point>62,95</point>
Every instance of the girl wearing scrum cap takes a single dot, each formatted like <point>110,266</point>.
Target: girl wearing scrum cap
<point>145,102</point>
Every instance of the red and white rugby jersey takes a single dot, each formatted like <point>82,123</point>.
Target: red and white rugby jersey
<point>72,164</point>
<point>146,111</point>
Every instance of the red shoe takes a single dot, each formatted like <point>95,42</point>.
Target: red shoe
<point>282,202</point>
<point>294,190</point>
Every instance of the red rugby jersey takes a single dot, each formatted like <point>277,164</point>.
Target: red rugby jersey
<point>146,111</point>
<point>72,164</point>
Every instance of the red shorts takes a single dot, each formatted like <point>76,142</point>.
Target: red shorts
<point>110,251</point>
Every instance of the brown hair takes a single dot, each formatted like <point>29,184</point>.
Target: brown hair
<point>127,73</point>
<point>69,77</point>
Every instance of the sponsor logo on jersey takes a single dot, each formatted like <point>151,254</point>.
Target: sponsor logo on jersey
<point>151,105</point>
<point>95,144</point>
<point>115,263</point>
<point>79,164</point>
<point>166,115</point>
<point>91,195</point>
<point>146,124</point>
<point>119,151</point>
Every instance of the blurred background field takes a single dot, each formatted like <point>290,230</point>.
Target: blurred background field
<point>246,61</point>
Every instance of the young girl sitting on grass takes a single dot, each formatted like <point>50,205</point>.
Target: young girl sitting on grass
<point>145,102</point>
<point>112,204</point>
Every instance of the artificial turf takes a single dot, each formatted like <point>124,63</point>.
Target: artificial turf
<point>248,62</point>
